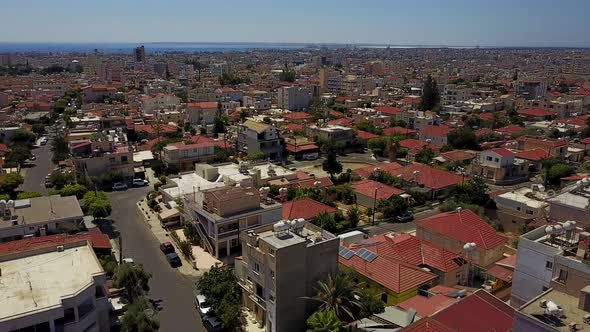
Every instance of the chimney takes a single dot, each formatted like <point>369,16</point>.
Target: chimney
<point>584,301</point>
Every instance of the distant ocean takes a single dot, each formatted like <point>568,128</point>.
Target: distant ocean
<point>6,47</point>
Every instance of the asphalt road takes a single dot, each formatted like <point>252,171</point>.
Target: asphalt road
<point>173,289</point>
<point>35,176</point>
<point>408,227</point>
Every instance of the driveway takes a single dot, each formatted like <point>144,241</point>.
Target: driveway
<point>35,176</point>
<point>408,227</point>
<point>168,285</point>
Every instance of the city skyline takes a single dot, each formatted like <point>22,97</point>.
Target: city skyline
<point>421,23</point>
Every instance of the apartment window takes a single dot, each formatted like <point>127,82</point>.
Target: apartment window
<point>256,267</point>
<point>112,160</point>
<point>562,276</point>
<point>271,297</point>
<point>124,159</point>
<point>272,274</point>
<point>518,208</point>
<point>529,212</point>
<point>271,252</point>
<point>488,158</point>
<point>496,159</point>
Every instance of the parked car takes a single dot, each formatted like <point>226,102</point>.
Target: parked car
<point>119,186</point>
<point>202,305</point>
<point>173,259</point>
<point>167,247</point>
<point>405,217</point>
<point>140,182</point>
<point>212,323</point>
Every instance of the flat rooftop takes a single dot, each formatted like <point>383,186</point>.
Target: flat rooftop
<point>568,303</point>
<point>520,196</point>
<point>571,199</point>
<point>232,171</point>
<point>189,183</point>
<point>289,238</point>
<point>38,282</point>
<point>43,209</point>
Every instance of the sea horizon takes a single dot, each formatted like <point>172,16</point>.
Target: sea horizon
<point>196,47</point>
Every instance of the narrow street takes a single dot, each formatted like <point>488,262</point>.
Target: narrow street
<point>175,291</point>
<point>35,176</point>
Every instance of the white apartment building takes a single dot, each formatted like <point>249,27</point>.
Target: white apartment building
<point>59,288</point>
<point>294,98</point>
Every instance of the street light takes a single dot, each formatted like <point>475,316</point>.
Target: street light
<point>376,173</point>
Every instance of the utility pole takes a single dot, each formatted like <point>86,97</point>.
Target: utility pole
<point>374,206</point>
<point>120,249</point>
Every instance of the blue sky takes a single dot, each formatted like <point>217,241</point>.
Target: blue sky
<point>425,22</point>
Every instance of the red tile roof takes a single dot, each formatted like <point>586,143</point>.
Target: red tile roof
<point>464,226</point>
<point>457,155</point>
<point>305,208</point>
<point>534,154</point>
<point>543,142</point>
<point>436,131</point>
<point>4,148</point>
<point>500,272</point>
<point>480,312</point>
<point>340,122</point>
<point>365,172</point>
<point>164,128</point>
<point>502,152</point>
<point>308,183</point>
<point>368,187</point>
<point>365,135</point>
<point>535,112</point>
<point>585,140</point>
<point>398,130</point>
<point>416,145</point>
<point>482,131</point>
<point>510,130</point>
<point>295,127</point>
<point>426,306</point>
<point>97,240</point>
<point>427,325</point>
<point>390,110</point>
<point>203,105</point>
<point>298,116</point>
<point>429,177</point>
<point>301,147</point>
<point>395,275</point>
<point>509,262</point>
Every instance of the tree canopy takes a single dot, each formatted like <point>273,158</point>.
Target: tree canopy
<point>430,95</point>
<point>331,165</point>
<point>463,138</point>
<point>221,288</point>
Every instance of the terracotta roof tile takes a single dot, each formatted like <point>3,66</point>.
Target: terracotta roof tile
<point>368,187</point>
<point>427,176</point>
<point>305,208</point>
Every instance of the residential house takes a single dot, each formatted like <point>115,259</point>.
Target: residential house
<point>518,207</point>
<point>499,166</point>
<point>365,172</point>
<point>536,114</point>
<point>280,267</point>
<point>305,208</point>
<point>54,288</point>
<point>572,203</point>
<point>294,98</point>
<point>368,192</point>
<point>228,94</point>
<point>95,93</point>
<point>335,134</point>
<point>220,214</point>
<point>452,230</point>
<point>534,157</point>
<point>106,152</point>
<point>432,181</point>
<point>256,137</point>
<point>435,134</point>
<point>186,155</point>
<point>202,113</point>
<point>555,148</point>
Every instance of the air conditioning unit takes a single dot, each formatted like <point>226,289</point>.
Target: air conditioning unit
<point>543,303</point>
<point>60,248</point>
<point>586,319</point>
<point>573,326</point>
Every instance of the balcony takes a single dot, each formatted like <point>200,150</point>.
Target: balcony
<point>258,300</point>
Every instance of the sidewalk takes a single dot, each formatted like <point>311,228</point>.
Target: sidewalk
<point>203,259</point>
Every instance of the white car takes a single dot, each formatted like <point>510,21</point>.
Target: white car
<point>202,305</point>
<point>119,186</point>
<point>140,182</point>
<point>128,260</point>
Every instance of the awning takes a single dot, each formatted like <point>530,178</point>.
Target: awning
<point>169,214</point>
<point>501,273</point>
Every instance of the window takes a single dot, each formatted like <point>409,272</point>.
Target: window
<point>271,252</point>
<point>124,159</point>
<point>489,158</point>
<point>518,208</point>
<point>272,274</point>
<point>384,297</point>
<point>271,297</point>
<point>256,267</point>
<point>548,265</point>
<point>562,276</point>
<point>529,212</point>
<point>496,159</point>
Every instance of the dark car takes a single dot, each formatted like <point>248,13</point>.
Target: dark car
<point>173,259</point>
<point>167,248</point>
<point>405,217</point>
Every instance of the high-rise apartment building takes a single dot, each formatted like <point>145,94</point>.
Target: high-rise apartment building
<point>139,53</point>
<point>281,265</point>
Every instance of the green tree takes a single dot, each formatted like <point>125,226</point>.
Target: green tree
<point>326,221</point>
<point>38,128</point>
<point>474,191</point>
<point>331,165</point>
<point>140,316</point>
<point>100,209</point>
<point>354,216</point>
<point>287,75</point>
<point>425,155</point>
<point>430,95</point>
<point>28,194</point>
<point>558,171</point>
<point>23,136</point>
<point>9,183</point>
<point>324,321</point>
<point>60,149</point>
<point>133,279</point>
<point>369,303</point>
<point>462,138</point>
<point>77,190</point>
<point>337,294</point>
<point>392,207</point>
<point>59,179</point>
<point>256,156</point>
<point>221,288</point>
<point>18,154</point>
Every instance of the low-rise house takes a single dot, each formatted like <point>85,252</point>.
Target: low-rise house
<point>254,137</point>
<point>105,152</point>
<point>499,166</point>
<point>368,192</point>
<point>220,214</point>
<point>534,157</point>
<point>536,114</point>
<point>452,230</point>
<point>479,311</point>
<point>435,134</point>
<point>95,93</point>
<point>54,288</point>
<point>202,113</point>
<point>365,172</point>
<point>333,133</point>
<point>394,280</point>
<point>414,146</point>
<point>571,204</point>
<point>518,207</point>
<point>555,148</point>
<point>399,131</point>
<point>184,155</point>
<point>305,208</point>
<point>37,216</point>
<point>432,181</point>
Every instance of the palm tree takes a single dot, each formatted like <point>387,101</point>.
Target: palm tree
<point>324,321</point>
<point>337,294</point>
